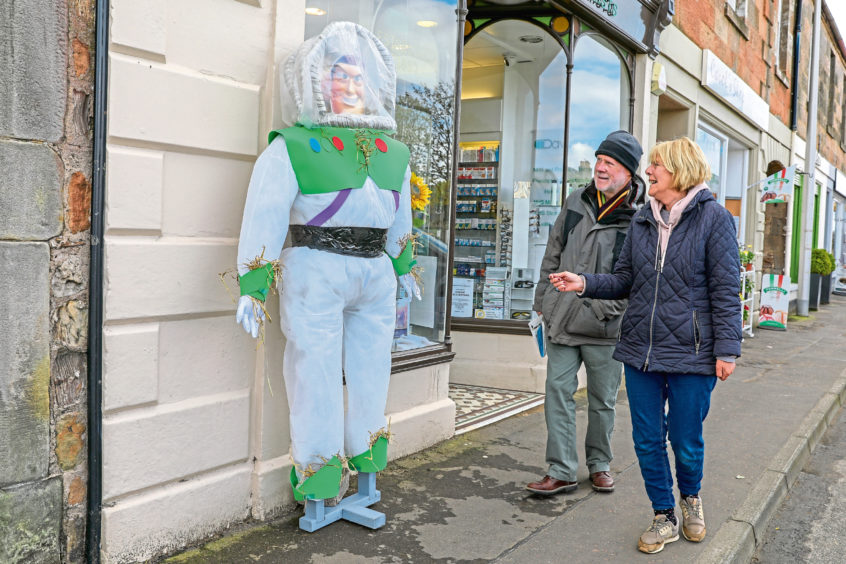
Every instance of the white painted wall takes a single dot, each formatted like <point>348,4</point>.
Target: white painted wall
<point>195,429</point>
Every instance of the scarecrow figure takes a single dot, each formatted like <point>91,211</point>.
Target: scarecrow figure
<point>339,186</point>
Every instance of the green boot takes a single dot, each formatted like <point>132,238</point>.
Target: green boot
<point>373,459</point>
<point>323,484</point>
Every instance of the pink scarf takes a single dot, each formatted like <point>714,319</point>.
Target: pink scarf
<point>665,229</point>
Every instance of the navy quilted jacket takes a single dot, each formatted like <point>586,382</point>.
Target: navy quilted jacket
<point>682,317</point>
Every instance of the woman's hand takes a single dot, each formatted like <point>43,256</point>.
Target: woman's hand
<point>566,282</point>
<point>724,369</point>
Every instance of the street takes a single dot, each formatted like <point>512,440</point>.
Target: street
<point>810,523</point>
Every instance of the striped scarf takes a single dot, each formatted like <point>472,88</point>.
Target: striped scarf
<point>606,205</point>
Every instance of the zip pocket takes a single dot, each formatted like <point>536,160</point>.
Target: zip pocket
<point>697,334</point>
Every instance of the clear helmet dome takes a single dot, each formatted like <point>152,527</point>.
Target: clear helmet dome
<point>344,77</point>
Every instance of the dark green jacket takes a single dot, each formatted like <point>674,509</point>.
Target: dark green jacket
<point>577,243</point>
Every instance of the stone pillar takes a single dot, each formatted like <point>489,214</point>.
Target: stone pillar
<point>45,198</point>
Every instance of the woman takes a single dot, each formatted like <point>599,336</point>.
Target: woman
<point>679,268</point>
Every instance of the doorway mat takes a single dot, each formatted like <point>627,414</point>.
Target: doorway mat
<point>477,406</point>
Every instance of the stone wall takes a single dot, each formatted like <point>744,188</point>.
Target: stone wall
<point>45,196</point>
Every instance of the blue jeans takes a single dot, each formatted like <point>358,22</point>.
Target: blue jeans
<point>689,397</point>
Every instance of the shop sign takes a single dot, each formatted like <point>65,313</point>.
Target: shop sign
<point>633,18</point>
<point>722,81</point>
<point>778,188</point>
<point>775,299</point>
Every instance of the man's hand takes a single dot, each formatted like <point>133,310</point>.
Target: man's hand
<point>566,282</point>
<point>724,369</point>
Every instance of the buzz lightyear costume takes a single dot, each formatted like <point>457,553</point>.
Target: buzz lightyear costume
<point>339,186</point>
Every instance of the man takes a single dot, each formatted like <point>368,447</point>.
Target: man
<point>339,186</point>
<point>586,237</point>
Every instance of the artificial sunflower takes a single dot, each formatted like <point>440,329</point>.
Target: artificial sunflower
<point>420,193</point>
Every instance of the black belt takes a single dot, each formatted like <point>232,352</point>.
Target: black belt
<point>352,241</point>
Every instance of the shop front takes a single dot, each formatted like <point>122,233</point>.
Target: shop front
<point>839,234</point>
<point>542,84</point>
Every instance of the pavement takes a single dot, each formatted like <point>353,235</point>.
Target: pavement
<point>464,499</point>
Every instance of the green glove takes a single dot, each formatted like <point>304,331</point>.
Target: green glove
<point>256,283</point>
<point>405,261</point>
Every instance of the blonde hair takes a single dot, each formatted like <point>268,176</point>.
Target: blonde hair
<point>684,160</point>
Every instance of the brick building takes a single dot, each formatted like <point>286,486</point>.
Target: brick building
<point>747,95</point>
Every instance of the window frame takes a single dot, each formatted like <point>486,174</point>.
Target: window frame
<point>736,11</point>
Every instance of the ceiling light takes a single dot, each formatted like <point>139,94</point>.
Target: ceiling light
<point>315,12</point>
<point>531,39</point>
<point>426,23</point>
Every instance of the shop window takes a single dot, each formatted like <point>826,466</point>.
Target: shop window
<point>599,104</point>
<point>514,170</point>
<point>510,173</point>
<point>420,35</point>
<point>715,147</point>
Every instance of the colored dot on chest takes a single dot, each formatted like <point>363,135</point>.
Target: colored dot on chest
<point>381,145</point>
<point>338,143</point>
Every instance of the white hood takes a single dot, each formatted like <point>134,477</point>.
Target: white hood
<point>306,83</point>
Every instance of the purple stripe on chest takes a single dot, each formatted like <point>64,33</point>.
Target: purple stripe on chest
<point>331,209</point>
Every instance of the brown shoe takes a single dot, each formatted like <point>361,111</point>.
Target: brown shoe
<point>551,486</point>
<point>602,481</point>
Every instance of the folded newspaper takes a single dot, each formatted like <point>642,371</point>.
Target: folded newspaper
<point>538,328</point>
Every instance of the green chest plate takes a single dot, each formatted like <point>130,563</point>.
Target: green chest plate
<point>330,159</point>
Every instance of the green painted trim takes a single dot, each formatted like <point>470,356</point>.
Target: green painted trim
<point>816,231</point>
<point>373,459</point>
<point>405,261</point>
<point>323,484</point>
<point>256,283</point>
<point>544,20</point>
<point>796,235</point>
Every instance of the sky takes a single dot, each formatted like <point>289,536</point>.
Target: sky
<point>838,10</point>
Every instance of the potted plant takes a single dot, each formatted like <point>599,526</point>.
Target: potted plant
<point>819,264</point>
<point>747,257</point>
<point>825,280</point>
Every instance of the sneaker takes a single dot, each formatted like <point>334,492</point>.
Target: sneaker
<point>660,532</point>
<point>693,519</point>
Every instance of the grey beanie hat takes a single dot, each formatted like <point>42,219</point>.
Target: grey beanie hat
<point>622,147</point>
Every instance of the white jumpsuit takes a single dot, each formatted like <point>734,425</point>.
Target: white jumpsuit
<point>336,311</point>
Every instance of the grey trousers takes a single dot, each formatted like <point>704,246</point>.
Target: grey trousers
<point>603,382</point>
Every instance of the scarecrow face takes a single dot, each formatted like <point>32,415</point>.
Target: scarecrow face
<point>346,88</point>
